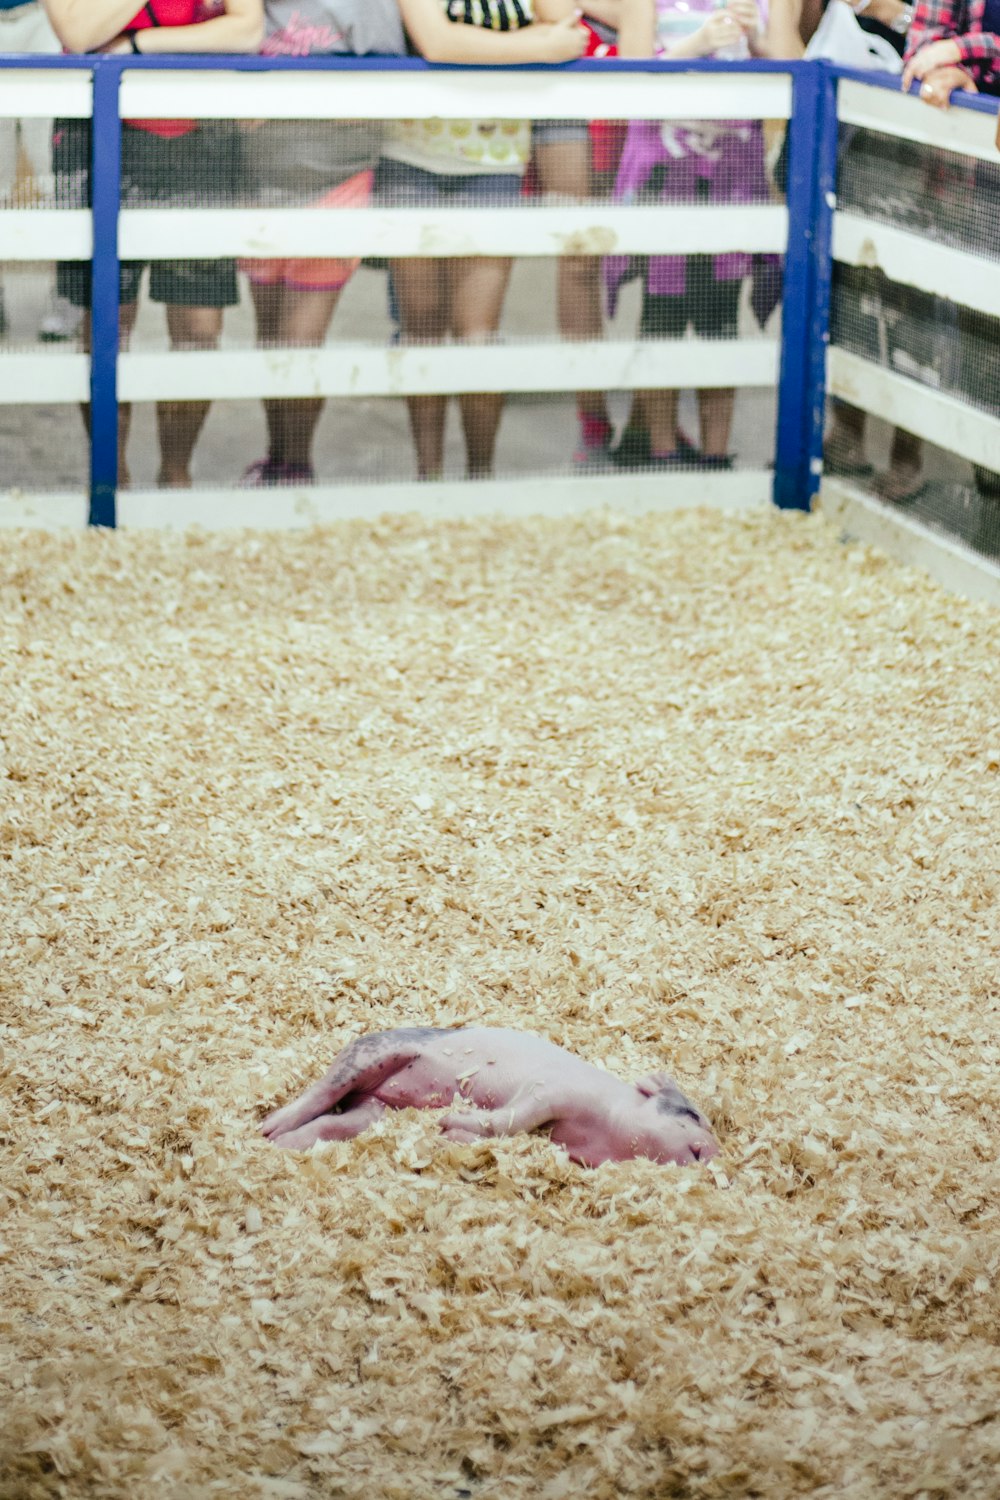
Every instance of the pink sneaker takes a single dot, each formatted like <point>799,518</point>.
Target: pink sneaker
<point>593,449</point>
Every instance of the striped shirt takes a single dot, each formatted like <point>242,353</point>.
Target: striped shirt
<point>492,15</point>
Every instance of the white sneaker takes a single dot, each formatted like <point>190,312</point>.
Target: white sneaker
<point>61,322</point>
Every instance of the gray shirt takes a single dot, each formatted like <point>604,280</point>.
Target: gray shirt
<point>296,161</point>
<point>304,28</point>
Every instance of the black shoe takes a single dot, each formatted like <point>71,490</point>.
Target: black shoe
<point>633,450</point>
<point>678,459</point>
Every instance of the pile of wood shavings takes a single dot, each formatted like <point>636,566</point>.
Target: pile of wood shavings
<point>703,792</point>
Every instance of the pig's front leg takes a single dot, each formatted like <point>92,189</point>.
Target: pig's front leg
<point>509,1119</point>
<point>359,1069</point>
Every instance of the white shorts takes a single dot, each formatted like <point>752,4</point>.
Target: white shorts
<point>26,29</point>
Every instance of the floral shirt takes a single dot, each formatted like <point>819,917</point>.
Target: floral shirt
<point>468,147</point>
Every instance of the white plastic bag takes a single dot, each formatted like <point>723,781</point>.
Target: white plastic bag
<point>840,39</point>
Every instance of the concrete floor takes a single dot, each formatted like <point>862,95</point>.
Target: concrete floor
<point>43,448</point>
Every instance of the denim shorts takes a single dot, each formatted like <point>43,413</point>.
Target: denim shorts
<point>400,185</point>
<point>554,132</point>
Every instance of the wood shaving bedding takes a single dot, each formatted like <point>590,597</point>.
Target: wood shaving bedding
<point>701,792</point>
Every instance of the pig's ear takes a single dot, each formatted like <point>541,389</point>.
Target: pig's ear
<point>654,1083</point>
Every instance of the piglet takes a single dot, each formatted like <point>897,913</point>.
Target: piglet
<point>512,1081</point>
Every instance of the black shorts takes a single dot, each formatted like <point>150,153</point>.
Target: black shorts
<point>200,169</point>
<point>711,307</point>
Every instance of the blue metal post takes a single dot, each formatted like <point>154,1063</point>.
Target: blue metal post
<point>105,186</point>
<point>812,176</point>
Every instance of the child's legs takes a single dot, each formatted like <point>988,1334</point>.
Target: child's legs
<point>421,288</point>
<point>847,426</point>
<point>180,422</point>
<point>659,410</point>
<point>478,285</point>
<point>126,322</point>
<point>293,318</point>
<point>715,416</point>
<point>267,305</point>
<point>562,162</point>
<point>36,143</point>
<point>663,317</point>
<point>714,310</point>
<point>8,156</point>
<point>194,294</point>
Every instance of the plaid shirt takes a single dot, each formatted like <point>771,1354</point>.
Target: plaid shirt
<point>959,21</point>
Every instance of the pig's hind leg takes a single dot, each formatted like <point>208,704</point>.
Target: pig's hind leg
<point>341,1127</point>
<point>359,1069</point>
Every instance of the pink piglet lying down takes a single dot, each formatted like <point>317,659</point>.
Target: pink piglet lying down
<point>512,1080</point>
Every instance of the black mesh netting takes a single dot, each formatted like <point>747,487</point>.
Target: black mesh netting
<point>939,344</point>
<point>938,194</point>
<point>333,298</point>
<point>935,341</point>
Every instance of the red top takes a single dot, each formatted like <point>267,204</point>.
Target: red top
<point>165,13</point>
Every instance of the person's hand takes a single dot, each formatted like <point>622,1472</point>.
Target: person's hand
<point>722,29</point>
<point>935,55</point>
<point>561,41</point>
<point>937,87</point>
<point>883,11</point>
<point>747,16</point>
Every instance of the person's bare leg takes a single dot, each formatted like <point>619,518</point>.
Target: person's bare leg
<point>906,461</point>
<point>478,287</point>
<point>563,169</point>
<point>126,323</point>
<point>303,324</point>
<point>715,416</point>
<point>422,295</point>
<point>658,411</point>
<point>267,305</point>
<point>180,422</point>
<point>844,446</point>
<point>332,1127</point>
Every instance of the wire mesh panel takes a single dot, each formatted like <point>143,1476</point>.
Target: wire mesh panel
<point>499,287</point>
<point>938,194</point>
<point>914,419</point>
<point>43,369</point>
<point>338,286</point>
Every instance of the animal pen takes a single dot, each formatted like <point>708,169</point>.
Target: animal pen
<point>635,760</point>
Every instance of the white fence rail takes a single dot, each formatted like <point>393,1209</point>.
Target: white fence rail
<point>956,273</point>
<point>373,370</point>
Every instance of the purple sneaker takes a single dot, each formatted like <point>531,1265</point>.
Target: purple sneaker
<point>296,474</point>
<point>261,475</point>
<point>268,473</point>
